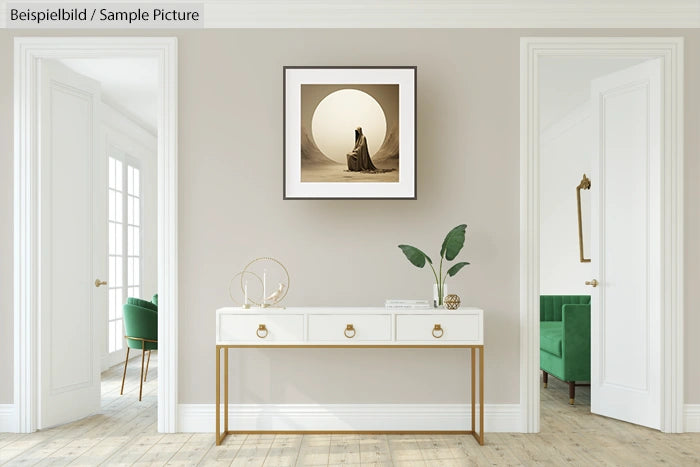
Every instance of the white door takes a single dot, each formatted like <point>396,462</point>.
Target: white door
<point>626,245</point>
<point>73,246</point>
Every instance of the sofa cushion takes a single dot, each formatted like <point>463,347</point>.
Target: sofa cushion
<point>550,337</point>
<point>551,305</point>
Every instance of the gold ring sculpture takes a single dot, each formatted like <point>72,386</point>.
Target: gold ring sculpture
<point>262,301</point>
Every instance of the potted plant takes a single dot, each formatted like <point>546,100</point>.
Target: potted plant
<point>451,246</point>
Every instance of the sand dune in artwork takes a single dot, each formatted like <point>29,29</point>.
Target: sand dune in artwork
<point>310,153</point>
<point>340,173</point>
<point>316,167</point>
<point>389,152</point>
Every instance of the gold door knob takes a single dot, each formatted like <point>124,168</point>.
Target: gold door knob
<point>592,283</point>
<point>99,282</point>
<point>437,329</point>
<point>262,331</point>
<point>349,328</point>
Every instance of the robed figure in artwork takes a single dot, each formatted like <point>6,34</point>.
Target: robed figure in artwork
<point>358,159</point>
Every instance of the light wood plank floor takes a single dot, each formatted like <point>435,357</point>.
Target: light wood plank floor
<point>125,433</point>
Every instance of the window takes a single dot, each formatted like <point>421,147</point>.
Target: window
<point>124,243</point>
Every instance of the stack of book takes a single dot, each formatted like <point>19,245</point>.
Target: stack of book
<point>407,304</point>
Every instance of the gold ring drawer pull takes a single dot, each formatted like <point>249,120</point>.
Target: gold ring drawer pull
<point>348,329</point>
<point>262,331</point>
<point>438,329</point>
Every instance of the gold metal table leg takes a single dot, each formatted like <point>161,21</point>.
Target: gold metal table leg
<point>226,391</point>
<point>481,395</point>
<point>473,382</point>
<point>220,436</point>
<point>218,395</point>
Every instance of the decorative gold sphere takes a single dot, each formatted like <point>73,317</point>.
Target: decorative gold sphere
<point>452,302</point>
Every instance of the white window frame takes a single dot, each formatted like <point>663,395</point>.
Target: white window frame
<point>117,153</point>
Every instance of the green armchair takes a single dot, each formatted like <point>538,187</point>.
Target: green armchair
<point>565,339</point>
<point>141,326</point>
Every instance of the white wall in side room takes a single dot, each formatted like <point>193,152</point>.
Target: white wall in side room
<point>565,156</point>
<point>123,134</point>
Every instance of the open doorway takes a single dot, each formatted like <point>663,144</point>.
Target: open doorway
<point>95,224</point>
<point>127,180</point>
<point>567,100</point>
<point>619,100</point>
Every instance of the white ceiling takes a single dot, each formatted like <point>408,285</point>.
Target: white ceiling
<point>565,82</point>
<point>129,84</point>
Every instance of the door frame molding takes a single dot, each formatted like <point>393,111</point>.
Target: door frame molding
<point>670,51</point>
<point>27,52</point>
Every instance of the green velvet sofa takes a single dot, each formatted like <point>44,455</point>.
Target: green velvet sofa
<point>565,339</point>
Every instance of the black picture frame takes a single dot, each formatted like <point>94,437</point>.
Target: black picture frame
<point>298,181</point>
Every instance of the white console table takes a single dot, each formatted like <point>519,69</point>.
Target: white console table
<point>334,327</point>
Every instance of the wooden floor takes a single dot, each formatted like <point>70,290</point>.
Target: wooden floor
<point>125,433</point>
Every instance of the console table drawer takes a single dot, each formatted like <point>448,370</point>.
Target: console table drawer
<point>438,328</point>
<point>261,328</point>
<point>350,328</point>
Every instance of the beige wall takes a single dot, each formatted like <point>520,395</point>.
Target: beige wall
<point>344,252</point>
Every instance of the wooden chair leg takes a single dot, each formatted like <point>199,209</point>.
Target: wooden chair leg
<point>545,378</point>
<point>572,392</point>
<point>124,376</point>
<point>147,362</point>
<point>143,354</point>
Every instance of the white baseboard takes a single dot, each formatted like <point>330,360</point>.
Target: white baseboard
<point>201,418</point>
<point>692,418</point>
<point>8,419</point>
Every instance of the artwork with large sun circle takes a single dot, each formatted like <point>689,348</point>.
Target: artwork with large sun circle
<point>349,133</point>
<point>338,115</point>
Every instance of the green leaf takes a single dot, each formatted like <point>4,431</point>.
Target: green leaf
<point>453,243</point>
<point>455,269</point>
<point>415,256</point>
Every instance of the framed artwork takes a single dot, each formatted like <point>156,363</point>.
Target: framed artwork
<point>350,132</point>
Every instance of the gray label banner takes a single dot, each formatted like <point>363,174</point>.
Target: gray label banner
<point>104,15</point>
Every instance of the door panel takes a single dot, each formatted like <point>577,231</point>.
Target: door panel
<point>625,312</point>
<point>69,321</point>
